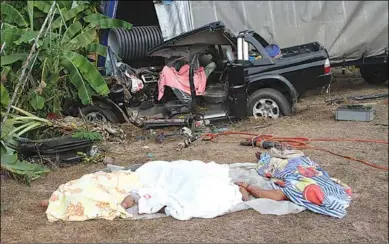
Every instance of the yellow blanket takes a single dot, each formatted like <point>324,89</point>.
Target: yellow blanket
<point>93,196</point>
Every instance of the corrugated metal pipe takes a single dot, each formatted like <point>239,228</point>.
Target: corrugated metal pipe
<point>135,43</point>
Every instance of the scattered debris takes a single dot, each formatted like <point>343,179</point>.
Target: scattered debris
<point>191,138</point>
<point>299,143</point>
<point>381,125</point>
<point>59,151</point>
<point>183,132</point>
<point>261,144</point>
<point>140,138</point>
<point>109,131</point>
<point>97,158</point>
<point>217,130</point>
<point>356,98</point>
<point>112,168</point>
<point>151,132</point>
<point>73,143</point>
<point>202,123</point>
<point>3,175</point>
<point>94,150</point>
<point>161,136</point>
<point>108,161</point>
<point>180,146</point>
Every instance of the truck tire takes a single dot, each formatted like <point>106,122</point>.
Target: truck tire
<point>374,73</point>
<point>268,102</point>
<point>97,114</point>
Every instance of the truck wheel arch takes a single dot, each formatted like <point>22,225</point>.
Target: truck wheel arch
<point>108,104</point>
<point>276,82</point>
<point>268,102</point>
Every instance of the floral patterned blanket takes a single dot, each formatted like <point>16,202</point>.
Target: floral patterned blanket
<point>93,196</point>
<point>304,182</point>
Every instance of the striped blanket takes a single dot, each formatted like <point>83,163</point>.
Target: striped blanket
<point>304,182</point>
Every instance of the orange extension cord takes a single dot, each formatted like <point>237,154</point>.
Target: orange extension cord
<point>299,143</point>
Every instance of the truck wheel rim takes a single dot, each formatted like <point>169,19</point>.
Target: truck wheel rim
<point>266,108</point>
<point>95,117</point>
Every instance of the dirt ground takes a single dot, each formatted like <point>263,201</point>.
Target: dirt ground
<point>367,220</point>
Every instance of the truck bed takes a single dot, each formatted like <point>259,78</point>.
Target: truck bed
<point>301,49</point>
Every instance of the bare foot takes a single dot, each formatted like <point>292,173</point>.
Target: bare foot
<point>242,184</point>
<point>128,202</point>
<point>243,191</point>
<point>44,203</point>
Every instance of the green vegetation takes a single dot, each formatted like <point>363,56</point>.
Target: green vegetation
<point>55,43</point>
<point>60,68</point>
<point>88,135</point>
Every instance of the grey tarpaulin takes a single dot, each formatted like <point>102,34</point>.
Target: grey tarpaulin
<point>346,28</point>
<point>174,18</point>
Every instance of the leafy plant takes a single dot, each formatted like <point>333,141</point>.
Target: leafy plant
<point>20,169</point>
<point>4,95</point>
<point>62,70</point>
<point>88,135</point>
<point>98,158</point>
<point>15,127</point>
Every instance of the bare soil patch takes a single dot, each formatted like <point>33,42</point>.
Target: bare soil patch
<point>367,220</point>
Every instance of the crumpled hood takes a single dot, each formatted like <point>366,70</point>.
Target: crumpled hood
<point>197,40</point>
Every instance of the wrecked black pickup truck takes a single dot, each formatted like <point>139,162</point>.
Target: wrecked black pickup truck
<point>210,74</point>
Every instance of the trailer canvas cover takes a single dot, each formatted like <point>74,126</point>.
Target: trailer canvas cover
<point>348,29</point>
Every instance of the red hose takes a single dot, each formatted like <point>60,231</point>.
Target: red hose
<point>299,143</point>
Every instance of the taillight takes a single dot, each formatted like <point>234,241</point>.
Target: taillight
<point>327,66</point>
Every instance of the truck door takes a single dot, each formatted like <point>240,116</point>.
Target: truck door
<point>237,91</point>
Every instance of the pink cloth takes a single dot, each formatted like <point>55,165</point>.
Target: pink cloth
<point>180,80</point>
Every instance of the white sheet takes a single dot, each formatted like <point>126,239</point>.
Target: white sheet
<point>188,189</point>
<point>161,174</point>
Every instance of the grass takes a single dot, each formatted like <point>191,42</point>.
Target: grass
<point>367,219</point>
